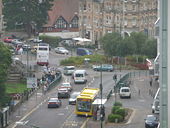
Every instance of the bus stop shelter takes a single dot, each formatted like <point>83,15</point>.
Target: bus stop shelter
<point>97,108</point>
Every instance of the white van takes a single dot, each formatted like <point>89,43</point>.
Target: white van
<point>79,76</point>
<point>68,70</point>
<point>125,92</point>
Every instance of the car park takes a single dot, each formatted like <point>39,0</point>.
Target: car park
<point>67,85</point>
<point>125,92</point>
<point>73,98</point>
<point>61,50</point>
<point>151,121</point>
<point>68,70</point>
<point>63,93</point>
<point>54,103</point>
<point>103,67</point>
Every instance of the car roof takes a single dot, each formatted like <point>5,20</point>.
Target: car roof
<point>53,98</point>
<point>125,88</point>
<point>74,93</point>
<point>70,66</point>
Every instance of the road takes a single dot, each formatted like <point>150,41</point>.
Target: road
<point>64,116</point>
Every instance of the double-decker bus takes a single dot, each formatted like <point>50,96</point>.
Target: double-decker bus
<point>43,54</point>
<point>84,101</point>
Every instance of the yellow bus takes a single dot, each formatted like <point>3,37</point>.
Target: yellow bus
<point>84,101</point>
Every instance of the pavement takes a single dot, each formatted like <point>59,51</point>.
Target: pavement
<point>37,98</point>
<point>109,104</point>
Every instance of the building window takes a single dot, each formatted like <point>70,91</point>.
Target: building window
<point>74,22</point>
<point>61,23</point>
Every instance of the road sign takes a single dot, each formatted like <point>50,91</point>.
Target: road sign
<point>31,82</point>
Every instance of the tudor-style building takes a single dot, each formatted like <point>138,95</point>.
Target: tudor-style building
<point>63,17</point>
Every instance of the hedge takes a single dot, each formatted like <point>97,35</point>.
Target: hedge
<point>118,104</point>
<point>114,108</point>
<point>121,111</point>
<point>115,118</point>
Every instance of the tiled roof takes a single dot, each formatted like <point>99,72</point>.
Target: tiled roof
<point>65,8</point>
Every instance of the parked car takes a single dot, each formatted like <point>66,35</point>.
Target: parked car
<point>54,103</point>
<point>8,39</point>
<point>67,85</point>
<point>125,92</point>
<point>61,50</point>
<point>83,52</point>
<point>151,121</point>
<point>103,67</point>
<point>63,93</point>
<point>68,70</point>
<point>73,97</point>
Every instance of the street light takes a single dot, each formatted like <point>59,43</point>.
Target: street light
<point>102,111</point>
<point>115,79</point>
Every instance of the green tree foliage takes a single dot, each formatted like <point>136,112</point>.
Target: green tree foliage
<point>150,48</point>
<point>5,57</point>
<point>110,43</point>
<point>135,44</point>
<point>139,39</point>
<point>26,13</point>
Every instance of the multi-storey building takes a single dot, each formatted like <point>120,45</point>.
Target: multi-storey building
<point>98,17</point>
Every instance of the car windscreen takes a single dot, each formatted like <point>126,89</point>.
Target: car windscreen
<point>125,90</point>
<point>78,75</point>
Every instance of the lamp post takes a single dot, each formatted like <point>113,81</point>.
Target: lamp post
<point>115,90</point>
<point>101,89</point>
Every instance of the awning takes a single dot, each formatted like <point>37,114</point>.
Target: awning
<point>81,39</point>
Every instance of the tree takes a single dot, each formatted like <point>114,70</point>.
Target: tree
<point>28,13</point>
<point>110,43</point>
<point>150,48</point>
<point>5,57</point>
<point>139,38</point>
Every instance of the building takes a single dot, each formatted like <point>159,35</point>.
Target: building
<point>63,18</point>
<point>98,17</point>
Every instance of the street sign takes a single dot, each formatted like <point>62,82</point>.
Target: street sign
<point>31,82</point>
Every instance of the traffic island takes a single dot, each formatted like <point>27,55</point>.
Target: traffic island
<point>119,115</point>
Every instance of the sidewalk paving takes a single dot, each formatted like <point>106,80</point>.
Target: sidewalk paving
<point>109,104</point>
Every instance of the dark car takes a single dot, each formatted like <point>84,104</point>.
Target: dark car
<point>103,67</point>
<point>54,103</point>
<point>151,121</point>
<point>73,97</point>
<point>63,93</point>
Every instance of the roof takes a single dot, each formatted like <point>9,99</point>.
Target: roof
<point>65,8</point>
<point>89,93</point>
<point>99,101</point>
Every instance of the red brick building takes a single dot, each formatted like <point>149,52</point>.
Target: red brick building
<point>63,17</point>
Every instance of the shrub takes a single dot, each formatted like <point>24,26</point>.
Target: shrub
<point>121,111</point>
<point>114,108</point>
<point>118,104</point>
<point>115,118</point>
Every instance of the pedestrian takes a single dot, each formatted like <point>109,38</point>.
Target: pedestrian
<point>150,82</point>
<point>139,92</point>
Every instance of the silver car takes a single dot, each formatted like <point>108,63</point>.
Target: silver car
<point>73,97</point>
<point>61,50</point>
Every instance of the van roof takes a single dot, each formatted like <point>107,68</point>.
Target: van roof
<point>124,88</point>
<point>80,71</point>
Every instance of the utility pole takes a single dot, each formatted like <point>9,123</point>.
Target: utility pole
<point>101,89</point>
